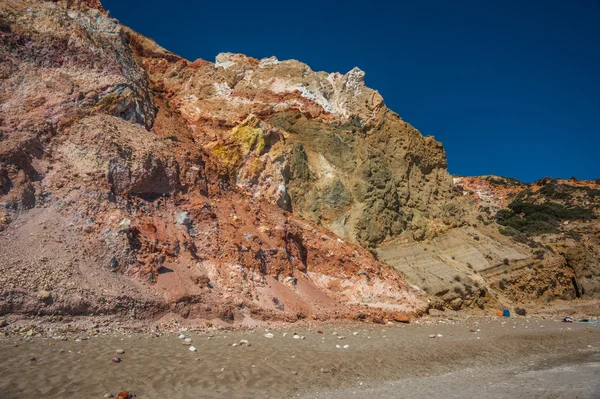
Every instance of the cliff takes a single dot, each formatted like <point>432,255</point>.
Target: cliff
<point>133,181</point>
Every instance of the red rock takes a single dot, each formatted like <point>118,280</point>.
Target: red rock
<point>401,318</point>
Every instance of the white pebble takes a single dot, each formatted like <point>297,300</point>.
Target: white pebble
<point>193,349</point>
<point>269,335</point>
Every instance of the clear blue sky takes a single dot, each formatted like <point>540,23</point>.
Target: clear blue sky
<point>510,87</point>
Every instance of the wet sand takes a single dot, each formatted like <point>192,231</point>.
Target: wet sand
<point>522,357</point>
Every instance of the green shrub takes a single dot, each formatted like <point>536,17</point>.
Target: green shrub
<point>574,235</point>
<point>531,218</point>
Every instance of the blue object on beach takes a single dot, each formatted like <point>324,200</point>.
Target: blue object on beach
<point>506,313</point>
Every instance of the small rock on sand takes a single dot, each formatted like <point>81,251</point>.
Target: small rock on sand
<point>181,336</point>
<point>432,336</point>
<point>244,342</point>
<point>108,395</point>
<point>124,395</point>
<point>120,351</point>
<point>188,340</point>
<point>116,359</point>
<point>355,333</point>
<point>193,349</point>
<point>44,295</point>
<point>269,335</point>
<point>346,346</point>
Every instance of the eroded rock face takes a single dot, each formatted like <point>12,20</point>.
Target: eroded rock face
<point>115,200</point>
<point>60,63</point>
<point>321,145</point>
<point>135,182</point>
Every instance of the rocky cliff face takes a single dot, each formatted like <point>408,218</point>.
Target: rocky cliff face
<point>115,201</point>
<point>323,146</point>
<point>135,181</point>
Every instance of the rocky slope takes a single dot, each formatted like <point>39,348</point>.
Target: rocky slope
<point>322,146</point>
<point>531,246</point>
<point>113,202</point>
<point>133,181</point>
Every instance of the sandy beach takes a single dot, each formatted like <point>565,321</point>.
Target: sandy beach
<point>517,357</point>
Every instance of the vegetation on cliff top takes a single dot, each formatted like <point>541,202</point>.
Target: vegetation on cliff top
<point>534,213</point>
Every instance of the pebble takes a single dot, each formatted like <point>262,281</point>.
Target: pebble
<point>269,335</point>
<point>116,359</point>
<point>346,346</point>
<point>188,340</point>
<point>108,395</point>
<point>244,342</point>
<point>234,345</point>
<point>432,336</point>
<point>193,349</point>
<point>337,346</point>
<point>296,337</point>
<point>355,333</point>
<point>120,351</point>
<point>124,395</point>
<point>284,335</point>
<point>181,336</point>
<point>341,337</point>
<point>32,359</point>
